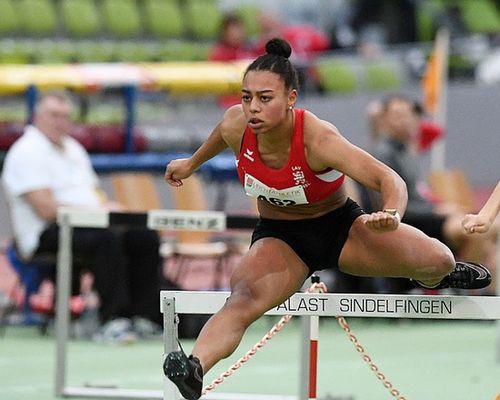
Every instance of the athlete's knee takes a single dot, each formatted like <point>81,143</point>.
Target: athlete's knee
<point>443,260</point>
<point>245,305</point>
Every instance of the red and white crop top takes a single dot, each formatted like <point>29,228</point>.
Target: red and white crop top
<point>294,183</point>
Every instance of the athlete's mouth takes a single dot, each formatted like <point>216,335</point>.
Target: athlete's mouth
<point>254,121</point>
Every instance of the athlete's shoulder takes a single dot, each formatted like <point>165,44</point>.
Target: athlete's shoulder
<point>314,125</point>
<point>234,119</point>
<point>232,127</point>
<point>235,111</point>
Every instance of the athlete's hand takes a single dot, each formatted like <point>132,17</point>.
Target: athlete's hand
<point>382,221</point>
<point>177,170</point>
<point>476,223</point>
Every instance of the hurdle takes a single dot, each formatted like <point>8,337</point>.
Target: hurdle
<point>329,305</point>
<point>69,218</point>
<point>173,303</point>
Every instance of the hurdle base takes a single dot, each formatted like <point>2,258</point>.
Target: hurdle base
<point>116,393</point>
<point>111,393</point>
<point>242,396</point>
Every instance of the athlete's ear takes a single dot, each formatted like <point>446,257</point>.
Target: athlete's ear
<point>292,98</point>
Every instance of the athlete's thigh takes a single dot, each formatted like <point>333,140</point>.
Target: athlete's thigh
<point>392,254</point>
<point>269,273</point>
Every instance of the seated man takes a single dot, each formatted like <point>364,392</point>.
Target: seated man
<point>397,147</point>
<point>46,169</point>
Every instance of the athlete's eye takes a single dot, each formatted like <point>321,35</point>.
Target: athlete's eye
<point>265,99</point>
<point>245,98</point>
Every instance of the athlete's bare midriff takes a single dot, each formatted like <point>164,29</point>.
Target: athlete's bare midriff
<point>303,211</point>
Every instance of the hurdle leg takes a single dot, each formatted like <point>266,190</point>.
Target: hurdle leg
<point>170,337</point>
<point>498,294</point>
<point>313,356</point>
<point>310,335</point>
<point>304,357</point>
<point>63,287</point>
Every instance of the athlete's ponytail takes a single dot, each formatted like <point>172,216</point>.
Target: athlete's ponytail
<point>276,60</point>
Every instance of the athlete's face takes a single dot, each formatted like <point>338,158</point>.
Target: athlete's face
<point>266,102</point>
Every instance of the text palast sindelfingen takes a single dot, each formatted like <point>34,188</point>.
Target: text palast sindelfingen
<point>371,305</point>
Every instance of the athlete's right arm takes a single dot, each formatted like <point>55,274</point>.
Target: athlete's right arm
<point>218,140</point>
<point>482,221</point>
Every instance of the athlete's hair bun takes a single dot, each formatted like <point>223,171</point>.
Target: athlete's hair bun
<point>278,47</point>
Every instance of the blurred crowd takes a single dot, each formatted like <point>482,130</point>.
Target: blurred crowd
<point>363,28</point>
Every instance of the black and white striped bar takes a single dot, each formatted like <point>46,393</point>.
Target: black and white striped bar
<point>352,305</point>
<point>211,221</point>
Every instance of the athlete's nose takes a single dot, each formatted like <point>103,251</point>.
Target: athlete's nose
<point>254,106</point>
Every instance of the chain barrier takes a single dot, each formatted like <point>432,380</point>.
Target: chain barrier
<point>274,330</point>
<point>366,358</point>
<point>267,337</point>
<point>316,287</point>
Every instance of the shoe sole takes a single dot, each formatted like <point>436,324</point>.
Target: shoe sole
<point>176,369</point>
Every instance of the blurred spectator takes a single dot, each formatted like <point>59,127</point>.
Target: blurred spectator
<point>233,42</point>
<point>488,69</point>
<point>396,148</point>
<point>427,133</point>
<point>384,21</point>
<point>232,45</point>
<point>371,31</point>
<point>306,41</point>
<point>47,169</point>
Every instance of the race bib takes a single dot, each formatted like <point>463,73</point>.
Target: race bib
<point>278,197</point>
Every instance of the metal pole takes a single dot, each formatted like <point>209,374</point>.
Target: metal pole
<point>170,338</point>
<point>305,322</point>
<point>31,97</point>
<point>63,287</point>
<point>130,98</point>
<point>498,294</point>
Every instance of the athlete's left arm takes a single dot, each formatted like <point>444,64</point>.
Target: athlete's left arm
<point>327,148</point>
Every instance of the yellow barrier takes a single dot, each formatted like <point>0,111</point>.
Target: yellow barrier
<point>178,78</point>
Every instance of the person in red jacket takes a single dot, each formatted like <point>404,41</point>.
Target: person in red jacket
<point>232,45</point>
<point>306,41</point>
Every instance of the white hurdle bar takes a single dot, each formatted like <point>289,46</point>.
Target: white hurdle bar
<point>389,306</point>
<point>351,305</point>
<point>329,305</point>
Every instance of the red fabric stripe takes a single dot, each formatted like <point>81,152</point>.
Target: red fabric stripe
<point>313,366</point>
